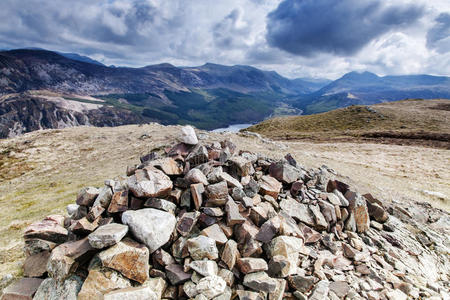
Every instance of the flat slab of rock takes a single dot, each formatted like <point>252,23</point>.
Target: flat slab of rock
<point>83,226</point>
<point>36,265</point>
<point>35,246</point>
<point>320,291</point>
<point>233,215</point>
<point>176,274</point>
<point>321,223</point>
<point>161,204</point>
<point>119,202</point>
<point>242,166</point>
<point>48,230</point>
<point>86,196</point>
<point>230,180</point>
<point>149,182</point>
<point>340,288</point>
<point>217,194</point>
<point>107,235</point>
<point>302,283</point>
<point>288,247</point>
<point>270,186</point>
<point>186,222</point>
<point>50,289</point>
<point>204,267</point>
<point>197,190</point>
<point>260,281</point>
<point>101,281</point>
<point>196,176</point>
<point>358,210</point>
<point>104,197</point>
<point>129,258</point>
<point>283,172</point>
<point>202,247</point>
<point>297,210</point>
<point>150,226</point>
<point>168,165</point>
<point>230,254</point>
<point>132,293</point>
<point>250,265</point>
<point>63,259</point>
<point>24,289</point>
<point>211,286</point>
<point>216,233</point>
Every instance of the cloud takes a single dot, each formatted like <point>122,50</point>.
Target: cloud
<point>191,32</point>
<point>231,31</point>
<point>438,37</point>
<point>306,27</point>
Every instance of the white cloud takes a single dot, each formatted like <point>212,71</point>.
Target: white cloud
<point>192,32</point>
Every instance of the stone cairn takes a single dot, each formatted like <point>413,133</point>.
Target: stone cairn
<point>210,222</point>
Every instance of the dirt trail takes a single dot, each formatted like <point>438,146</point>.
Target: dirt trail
<point>41,172</point>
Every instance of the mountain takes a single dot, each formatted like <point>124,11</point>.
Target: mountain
<point>75,56</point>
<point>29,111</point>
<point>208,96</point>
<point>368,88</point>
<point>40,69</point>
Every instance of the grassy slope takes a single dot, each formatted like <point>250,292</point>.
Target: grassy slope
<point>406,119</point>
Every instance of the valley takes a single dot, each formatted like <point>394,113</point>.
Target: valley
<point>208,97</point>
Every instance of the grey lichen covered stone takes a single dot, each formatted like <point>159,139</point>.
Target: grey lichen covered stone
<point>150,226</point>
<point>50,289</point>
<point>107,235</point>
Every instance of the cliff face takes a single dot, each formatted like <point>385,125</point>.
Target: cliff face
<point>24,113</point>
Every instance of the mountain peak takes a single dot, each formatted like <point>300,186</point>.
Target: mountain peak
<point>360,75</point>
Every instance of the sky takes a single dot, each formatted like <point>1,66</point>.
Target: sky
<point>296,38</point>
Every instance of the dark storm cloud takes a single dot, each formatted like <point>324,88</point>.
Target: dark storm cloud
<point>305,27</point>
<point>438,37</point>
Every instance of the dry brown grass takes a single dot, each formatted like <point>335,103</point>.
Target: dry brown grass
<point>60,162</point>
<point>424,122</point>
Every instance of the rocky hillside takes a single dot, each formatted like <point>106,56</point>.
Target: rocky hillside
<point>21,113</point>
<point>208,221</point>
<point>424,122</point>
<point>23,70</point>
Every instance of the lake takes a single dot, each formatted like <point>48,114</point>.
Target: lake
<point>232,128</point>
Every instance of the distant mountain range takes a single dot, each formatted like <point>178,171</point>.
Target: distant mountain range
<point>207,96</point>
<point>368,88</point>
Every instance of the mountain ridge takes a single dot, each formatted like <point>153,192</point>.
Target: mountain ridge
<point>208,96</point>
<point>189,76</point>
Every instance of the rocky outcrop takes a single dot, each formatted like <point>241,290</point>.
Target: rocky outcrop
<point>21,113</point>
<point>325,241</point>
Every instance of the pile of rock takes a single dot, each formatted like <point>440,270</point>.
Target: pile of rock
<point>209,222</point>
